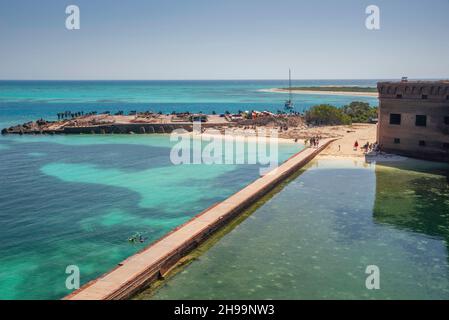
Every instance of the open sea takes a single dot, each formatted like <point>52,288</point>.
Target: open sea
<point>75,200</point>
<point>21,101</point>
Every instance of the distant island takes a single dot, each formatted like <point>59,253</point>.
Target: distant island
<point>336,89</point>
<point>329,90</point>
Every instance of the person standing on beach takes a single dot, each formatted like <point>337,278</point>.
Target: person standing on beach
<point>366,147</point>
<point>356,145</point>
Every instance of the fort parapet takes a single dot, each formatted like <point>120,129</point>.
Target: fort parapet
<point>414,118</point>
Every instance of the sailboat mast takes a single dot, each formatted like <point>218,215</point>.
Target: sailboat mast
<point>290,84</point>
<point>289,103</point>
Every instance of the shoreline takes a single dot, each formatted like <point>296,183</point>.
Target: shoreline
<point>329,93</point>
<point>242,137</point>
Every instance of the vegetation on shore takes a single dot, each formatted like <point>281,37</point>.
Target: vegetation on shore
<point>325,114</point>
<point>360,112</point>
<point>335,89</point>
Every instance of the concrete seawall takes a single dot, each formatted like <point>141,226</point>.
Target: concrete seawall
<point>118,128</point>
<point>138,271</point>
<point>138,128</point>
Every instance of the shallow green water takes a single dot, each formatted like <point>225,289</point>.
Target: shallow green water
<point>75,200</point>
<point>315,238</point>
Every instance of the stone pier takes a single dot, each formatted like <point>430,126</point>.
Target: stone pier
<point>138,271</point>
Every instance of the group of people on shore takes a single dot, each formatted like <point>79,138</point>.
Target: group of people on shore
<point>314,141</point>
<point>367,147</point>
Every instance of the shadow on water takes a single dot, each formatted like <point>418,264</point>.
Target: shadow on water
<point>399,197</point>
<point>415,201</point>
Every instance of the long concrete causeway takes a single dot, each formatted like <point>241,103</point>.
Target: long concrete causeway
<point>138,271</point>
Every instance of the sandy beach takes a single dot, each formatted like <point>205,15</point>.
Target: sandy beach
<point>346,135</point>
<point>332,93</point>
<point>237,134</point>
<point>343,147</point>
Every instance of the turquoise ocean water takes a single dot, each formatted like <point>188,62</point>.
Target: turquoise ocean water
<point>25,100</point>
<point>75,200</point>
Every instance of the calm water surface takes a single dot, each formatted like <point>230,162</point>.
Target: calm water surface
<point>314,239</point>
<point>76,199</point>
<point>22,101</point>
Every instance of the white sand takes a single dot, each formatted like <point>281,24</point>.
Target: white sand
<point>239,135</point>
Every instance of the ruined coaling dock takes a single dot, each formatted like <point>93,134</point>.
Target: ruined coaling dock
<point>119,128</point>
<point>140,270</point>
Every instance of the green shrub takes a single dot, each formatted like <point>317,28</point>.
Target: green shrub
<point>360,111</point>
<point>325,114</point>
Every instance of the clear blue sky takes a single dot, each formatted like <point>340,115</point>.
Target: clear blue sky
<point>223,39</point>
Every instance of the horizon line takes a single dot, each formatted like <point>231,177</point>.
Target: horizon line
<point>229,79</point>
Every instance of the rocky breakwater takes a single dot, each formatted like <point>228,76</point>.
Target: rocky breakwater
<point>68,127</point>
<point>33,127</point>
